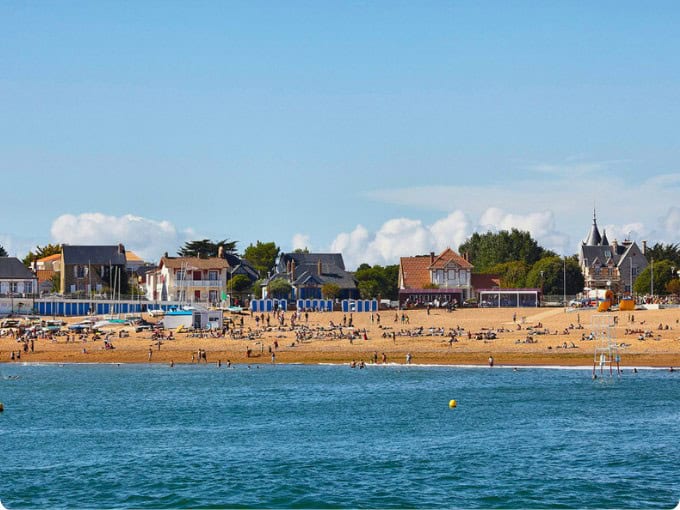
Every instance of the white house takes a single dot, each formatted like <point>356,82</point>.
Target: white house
<point>16,280</point>
<point>188,279</point>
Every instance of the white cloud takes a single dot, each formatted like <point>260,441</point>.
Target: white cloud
<point>300,242</point>
<point>407,237</point>
<point>400,237</point>
<point>148,238</point>
<point>565,197</point>
<point>450,231</point>
<point>574,167</point>
<point>541,226</point>
<point>18,246</point>
<point>636,231</point>
<point>671,223</point>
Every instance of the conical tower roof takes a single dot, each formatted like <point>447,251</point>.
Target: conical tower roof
<point>604,241</point>
<point>594,238</point>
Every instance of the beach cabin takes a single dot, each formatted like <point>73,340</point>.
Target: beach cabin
<point>196,319</point>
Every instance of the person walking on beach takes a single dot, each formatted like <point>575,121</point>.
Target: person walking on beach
<point>150,353</point>
<point>273,358</point>
<point>408,358</point>
<point>491,361</point>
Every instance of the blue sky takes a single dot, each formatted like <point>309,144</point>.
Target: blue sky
<point>378,129</point>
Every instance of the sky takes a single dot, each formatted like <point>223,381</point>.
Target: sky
<point>377,129</point>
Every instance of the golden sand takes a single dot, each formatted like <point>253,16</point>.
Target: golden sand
<point>660,347</point>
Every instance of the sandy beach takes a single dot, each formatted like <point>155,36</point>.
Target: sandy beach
<point>653,339</point>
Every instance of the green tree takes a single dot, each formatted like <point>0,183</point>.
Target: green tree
<point>660,251</point>
<point>206,248</point>
<point>239,283</point>
<point>330,290</point>
<point>662,276</point>
<point>41,252</point>
<point>378,281</point>
<point>513,274</point>
<point>673,287</point>
<point>3,252</point>
<point>368,289</point>
<point>301,250</point>
<point>489,249</point>
<point>262,256</point>
<point>257,288</point>
<point>280,289</point>
<point>548,274</point>
<point>56,282</point>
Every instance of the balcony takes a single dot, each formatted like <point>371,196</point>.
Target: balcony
<point>205,284</point>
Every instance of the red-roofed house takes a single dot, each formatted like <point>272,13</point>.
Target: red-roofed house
<point>435,279</point>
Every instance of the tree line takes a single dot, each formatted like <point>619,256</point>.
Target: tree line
<point>513,256</point>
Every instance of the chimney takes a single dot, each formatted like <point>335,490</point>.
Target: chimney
<point>121,249</point>
<point>292,270</point>
<point>431,257</point>
<point>319,267</point>
<point>220,252</point>
<point>615,245</point>
<point>288,266</point>
<point>165,255</point>
<point>644,247</point>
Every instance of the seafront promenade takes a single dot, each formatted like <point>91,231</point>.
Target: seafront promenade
<point>522,336</point>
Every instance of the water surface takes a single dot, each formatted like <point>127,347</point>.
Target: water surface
<point>126,436</point>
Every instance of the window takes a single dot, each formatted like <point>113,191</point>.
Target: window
<point>28,287</point>
<point>213,276</point>
<point>13,287</point>
<point>181,274</point>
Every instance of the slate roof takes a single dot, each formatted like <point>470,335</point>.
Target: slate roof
<point>96,255</point>
<point>11,268</point>
<point>604,240</point>
<point>592,256</point>
<point>594,238</point>
<point>302,259</point>
<point>307,269</point>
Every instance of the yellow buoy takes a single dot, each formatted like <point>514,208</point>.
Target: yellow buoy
<point>452,404</point>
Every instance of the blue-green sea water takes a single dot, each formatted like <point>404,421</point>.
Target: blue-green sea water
<point>107,436</point>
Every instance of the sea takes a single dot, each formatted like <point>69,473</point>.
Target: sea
<point>294,436</point>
